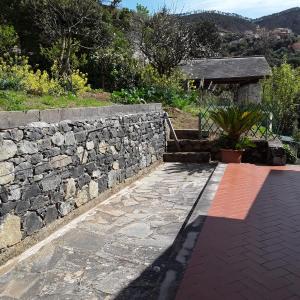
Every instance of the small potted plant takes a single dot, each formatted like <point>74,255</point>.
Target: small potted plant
<point>235,121</point>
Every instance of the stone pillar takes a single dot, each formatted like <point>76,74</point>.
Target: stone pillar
<point>249,93</point>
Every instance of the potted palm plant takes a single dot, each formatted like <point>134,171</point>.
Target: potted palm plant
<point>235,121</point>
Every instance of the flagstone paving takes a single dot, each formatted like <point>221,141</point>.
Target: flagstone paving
<point>102,254</point>
<point>249,246</point>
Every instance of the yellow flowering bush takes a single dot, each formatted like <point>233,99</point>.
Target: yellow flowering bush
<point>17,74</point>
<point>79,82</point>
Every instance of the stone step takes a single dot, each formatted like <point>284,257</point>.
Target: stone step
<point>191,146</point>
<point>188,157</point>
<point>189,134</point>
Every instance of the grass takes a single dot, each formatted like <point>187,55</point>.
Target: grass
<point>14,101</point>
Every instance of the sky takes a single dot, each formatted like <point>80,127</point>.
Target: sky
<point>247,8</point>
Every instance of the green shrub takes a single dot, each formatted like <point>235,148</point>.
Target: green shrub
<point>291,156</point>
<point>16,74</point>
<point>236,121</point>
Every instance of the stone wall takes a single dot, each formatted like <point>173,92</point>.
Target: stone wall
<point>47,170</point>
<point>249,93</point>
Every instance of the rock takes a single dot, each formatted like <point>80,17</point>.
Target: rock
<point>82,197</point>
<point>112,178</point>
<point>8,149</point>
<point>32,223</point>
<point>42,168</point>
<point>51,214</point>
<point>26,147</point>
<point>70,139</point>
<point>23,171</point>
<point>65,208</point>
<point>38,202</point>
<point>113,150</point>
<point>116,165</point>
<point>36,158</point>
<point>37,178</point>
<point>22,207</point>
<point>90,145</point>
<point>10,231</point>
<point>93,189</point>
<point>58,139</point>
<point>17,135</point>
<point>50,183</point>
<point>3,194</point>
<point>82,154</point>
<point>60,161</point>
<point>103,147</point>
<point>70,188</point>
<point>90,167</point>
<point>33,191</point>
<point>14,193</point>
<point>7,174</point>
<point>96,174</point>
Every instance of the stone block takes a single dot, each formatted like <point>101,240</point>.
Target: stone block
<point>58,139</point>
<point>8,149</point>
<point>70,188</point>
<point>32,222</point>
<point>27,147</point>
<point>7,174</point>
<point>60,161</point>
<point>10,231</point>
<point>93,189</point>
<point>82,197</point>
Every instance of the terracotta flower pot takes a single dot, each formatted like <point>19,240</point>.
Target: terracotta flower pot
<point>231,156</point>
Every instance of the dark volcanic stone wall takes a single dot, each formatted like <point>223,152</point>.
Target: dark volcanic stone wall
<point>48,170</point>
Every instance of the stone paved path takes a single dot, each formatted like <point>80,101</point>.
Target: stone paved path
<point>249,246</point>
<point>117,250</point>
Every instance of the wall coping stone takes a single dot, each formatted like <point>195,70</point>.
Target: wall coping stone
<point>13,119</point>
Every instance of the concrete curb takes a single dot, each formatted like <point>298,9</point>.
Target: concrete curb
<point>13,119</point>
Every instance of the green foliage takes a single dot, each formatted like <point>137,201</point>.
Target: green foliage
<point>16,74</point>
<point>158,88</point>
<point>291,156</point>
<point>114,67</point>
<point>165,41</point>
<point>235,121</point>
<point>206,40</point>
<point>280,92</point>
<point>8,39</point>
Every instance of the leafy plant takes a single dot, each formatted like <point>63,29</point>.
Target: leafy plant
<point>291,156</point>
<point>280,92</point>
<point>235,121</point>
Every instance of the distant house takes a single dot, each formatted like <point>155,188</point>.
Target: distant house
<point>246,72</point>
<point>282,32</point>
<point>296,47</point>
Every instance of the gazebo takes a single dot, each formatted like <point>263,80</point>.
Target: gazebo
<point>246,72</point>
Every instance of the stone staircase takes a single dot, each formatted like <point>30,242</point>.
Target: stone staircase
<point>192,149</point>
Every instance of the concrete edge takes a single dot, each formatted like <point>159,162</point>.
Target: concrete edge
<point>34,243</point>
<point>13,119</point>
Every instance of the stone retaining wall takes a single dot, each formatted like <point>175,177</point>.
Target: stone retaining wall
<point>47,170</point>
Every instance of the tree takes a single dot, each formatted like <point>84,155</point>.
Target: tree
<point>207,41</point>
<point>8,39</point>
<point>165,41</point>
<point>71,25</point>
<point>280,92</point>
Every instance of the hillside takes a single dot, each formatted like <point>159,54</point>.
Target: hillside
<point>234,23</point>
<point>289,19</point>
<point>225,21</point>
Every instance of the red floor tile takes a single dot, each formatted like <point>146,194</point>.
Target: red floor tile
<point>249,247</point>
